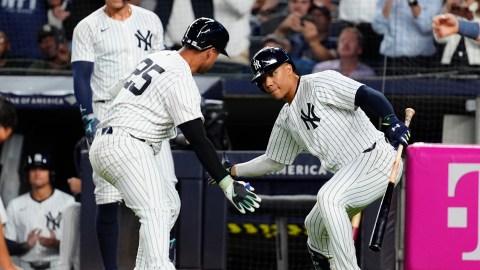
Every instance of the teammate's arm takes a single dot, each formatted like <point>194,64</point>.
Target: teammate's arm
<point>256,167</point>
<point>369,99</point>
<point>237,192</point>
<point>82,73</point>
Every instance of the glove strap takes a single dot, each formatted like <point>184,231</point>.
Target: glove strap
<point>226,181</point>
<point>88,117</point>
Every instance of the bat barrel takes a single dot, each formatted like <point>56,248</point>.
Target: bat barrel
<point>382,218</point>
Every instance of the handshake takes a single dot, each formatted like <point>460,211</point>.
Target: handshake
<point>239,193</point>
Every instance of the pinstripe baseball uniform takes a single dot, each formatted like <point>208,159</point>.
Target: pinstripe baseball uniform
<point>323,120</point>
<point>3,214</point>
<point>158,96</point>
<point>70,245</point>
<point>25,214</point>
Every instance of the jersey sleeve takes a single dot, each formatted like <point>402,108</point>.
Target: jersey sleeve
<point>335,89</point>
<point>10,232</point>
<point>3,213</point>
<point>158,44</point>
<point>82,43</point>
<point>183,100</point>
<point>282,147</point>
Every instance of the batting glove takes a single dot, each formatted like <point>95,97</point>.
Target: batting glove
<point>240,194</point>
<point>398,132</point>
<point>90,123</point>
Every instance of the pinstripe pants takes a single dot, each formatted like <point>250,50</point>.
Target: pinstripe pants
<point>131,166</point>
<point>351,189</point>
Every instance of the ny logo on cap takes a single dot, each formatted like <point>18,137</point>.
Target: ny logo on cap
<point>256,64</point>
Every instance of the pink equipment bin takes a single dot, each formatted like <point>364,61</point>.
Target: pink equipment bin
<point>442,213</point>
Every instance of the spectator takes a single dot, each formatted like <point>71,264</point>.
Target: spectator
<point>54,48</point>
<point>406,26</point>
<point>447,24</point>
<point>20,20</point>
<point>176,16</point>
<point>10,65</point>
<point>349,49</point>
<point>58,12</point>
<point>35,218</point>
<point>296,10</point>
<point>235,16</point>
<point>460,52</point>
<point>304,66</point>
<point>317,35</point>
<point>8,120</point>
<point>360,14</point>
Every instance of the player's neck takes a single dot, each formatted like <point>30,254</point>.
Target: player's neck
<point>292,89</point>
<point>119,14</point>
<point>42,193</point>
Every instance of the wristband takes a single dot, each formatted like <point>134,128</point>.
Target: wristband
<point>468,29</point>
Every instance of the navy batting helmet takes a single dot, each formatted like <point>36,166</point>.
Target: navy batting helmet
<point>266,60</point>
<point>205,33</point>
<point>39,160</point>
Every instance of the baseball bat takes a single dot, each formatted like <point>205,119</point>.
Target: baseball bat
<point>382,216</point>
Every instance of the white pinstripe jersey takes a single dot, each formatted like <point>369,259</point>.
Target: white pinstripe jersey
<point>158,96</point>
<point>115,47</point>
<point>3,214</point>
<point>26,214</point>
<point>323,120</point>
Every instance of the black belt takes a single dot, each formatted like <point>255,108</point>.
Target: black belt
<point>109,130</point>
<point>370,149</point>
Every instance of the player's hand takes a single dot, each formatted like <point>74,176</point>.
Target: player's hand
<point>49,241</point>
<point>33,237</point>
<point>240,194</point>
<point>398,132</point>
<point>90,123</point>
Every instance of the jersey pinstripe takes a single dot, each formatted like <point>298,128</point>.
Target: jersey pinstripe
<point>169,98</point>
<point>26,214</point>
<point>3,214</point>
<point>322,119</point>
<point>115,46</point>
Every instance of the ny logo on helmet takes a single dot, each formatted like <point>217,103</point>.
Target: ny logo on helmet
<point>256,64</point>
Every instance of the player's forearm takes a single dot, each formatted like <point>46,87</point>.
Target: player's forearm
<point>82,73</point>
<point>256,167</point>
<point>17,249</point>
<point>5,262</point>
<point>195,134</point>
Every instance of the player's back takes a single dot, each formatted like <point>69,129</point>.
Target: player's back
<point>159,94</point>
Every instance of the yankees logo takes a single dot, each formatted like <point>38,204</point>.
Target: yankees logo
<point>147,40</point>
<point>310,117</point>
<point>256,64</point>
<point>53,223</point>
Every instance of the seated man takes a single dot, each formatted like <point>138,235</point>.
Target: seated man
<point>35,218</point>
<point>54,48</point>
<point>349,49</point>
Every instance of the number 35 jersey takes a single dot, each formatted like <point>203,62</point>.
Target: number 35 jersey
<point>159,95</point>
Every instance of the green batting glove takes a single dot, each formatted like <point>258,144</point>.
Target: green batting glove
<point>240,194</point>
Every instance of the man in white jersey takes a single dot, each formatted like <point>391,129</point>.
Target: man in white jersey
<point>35,218</point>
<point>106,46</point>
<point>158,96</point>
<point>324,115</point>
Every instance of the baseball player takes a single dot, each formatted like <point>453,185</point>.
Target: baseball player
<point>158,96</point>
<point>447,24</point>
<point>107,45</point>
<point>324,115</point>
<point>35,218</point>
<point>5,262</point>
